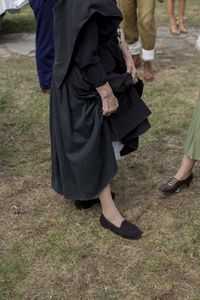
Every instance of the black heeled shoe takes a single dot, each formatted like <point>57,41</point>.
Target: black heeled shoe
<point>88,203</point>
<point>173,185</point>
<point>127,230</point>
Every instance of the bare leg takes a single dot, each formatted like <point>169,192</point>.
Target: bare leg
<point>170,5</point>
<point>109,209</point>
<point>185,169</point>
<point>182,5</point>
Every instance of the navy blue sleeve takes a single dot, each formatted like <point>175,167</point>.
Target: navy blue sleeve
<point>86,55</point>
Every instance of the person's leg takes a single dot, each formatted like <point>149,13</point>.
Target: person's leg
<point>192,154</point>
<point>173,26</point>
<point>147,30</point>
<point>182,5</point>
<point>129,25</point>
<point>130,30</point>
<point>109,209</point>
<point>112,219</point>
<point>44,41</point>
<point>185,169</point>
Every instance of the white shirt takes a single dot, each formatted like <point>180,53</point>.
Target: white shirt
<point>11,5</point>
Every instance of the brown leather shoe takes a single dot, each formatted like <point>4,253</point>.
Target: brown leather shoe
<point>173,185</point>
<point>137,60</point>
<point>46,91</point>
<point>148,72</point>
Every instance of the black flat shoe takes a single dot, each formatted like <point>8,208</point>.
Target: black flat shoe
<point>127,230</point>
<point>173,185</point>
<point>88,203</point>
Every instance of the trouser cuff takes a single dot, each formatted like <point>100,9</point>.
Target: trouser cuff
<point>148,54</point>
<point>134,48</point>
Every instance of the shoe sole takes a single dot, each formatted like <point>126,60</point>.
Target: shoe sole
<point>133,239</point>
<point>148,80</point>
<point>108,228</point>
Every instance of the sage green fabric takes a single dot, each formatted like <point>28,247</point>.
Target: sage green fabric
<point>192,143</point>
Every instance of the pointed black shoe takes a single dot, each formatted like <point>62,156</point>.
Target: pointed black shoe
<point>127,230</point>
<point>174,185</point>
<point>88,203</point>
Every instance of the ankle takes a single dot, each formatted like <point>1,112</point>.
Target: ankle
<point>183,174</point>
<point>180,21</point>
<point>114,217</point>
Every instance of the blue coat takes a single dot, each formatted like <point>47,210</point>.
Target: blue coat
<point>44,40</point>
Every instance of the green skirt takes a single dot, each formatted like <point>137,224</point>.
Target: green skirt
<point>192,143</point>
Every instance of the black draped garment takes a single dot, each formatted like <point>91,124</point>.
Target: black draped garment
<point>87,55</point>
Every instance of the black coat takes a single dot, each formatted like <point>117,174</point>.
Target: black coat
<point>69,18</point>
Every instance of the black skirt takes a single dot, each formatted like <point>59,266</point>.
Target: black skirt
<point>83,160</point>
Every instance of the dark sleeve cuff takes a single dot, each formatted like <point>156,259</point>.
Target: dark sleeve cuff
<point>96,74</point>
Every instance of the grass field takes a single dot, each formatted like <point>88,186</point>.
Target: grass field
<point>48,249</point>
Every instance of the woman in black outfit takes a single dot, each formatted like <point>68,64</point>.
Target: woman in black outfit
<point>96,111</point>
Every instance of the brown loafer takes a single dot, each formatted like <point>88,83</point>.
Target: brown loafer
<point>173,185</point>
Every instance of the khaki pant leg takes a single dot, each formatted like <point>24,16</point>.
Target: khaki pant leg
<point>146,23</point>
<point>129,24</point>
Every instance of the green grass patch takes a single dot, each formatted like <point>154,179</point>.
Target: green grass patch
<point>13,269</point>
<point>20,22</point>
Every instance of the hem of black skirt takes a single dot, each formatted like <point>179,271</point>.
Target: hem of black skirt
<point>122,136</point>
<point>89,197</point>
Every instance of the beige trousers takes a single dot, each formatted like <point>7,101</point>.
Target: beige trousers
<point>139,22</point>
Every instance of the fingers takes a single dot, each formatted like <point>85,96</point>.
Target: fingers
<point>134,76</point>
<point>107,114</point>
<point>129,68</point>
<point>135,80</point>
<point>132,71</point>
<point>110,106</point>
<point>109,101</point>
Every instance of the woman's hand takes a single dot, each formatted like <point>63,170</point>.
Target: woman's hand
<point>130,67</point>
<point>109,101</point>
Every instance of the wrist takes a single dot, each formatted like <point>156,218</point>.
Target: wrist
<point>104,91</point>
